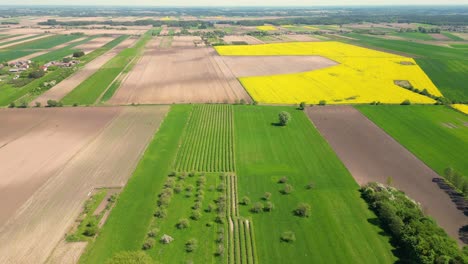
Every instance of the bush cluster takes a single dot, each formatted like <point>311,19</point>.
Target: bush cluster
<point>418,237</point>
<point>456,180</point>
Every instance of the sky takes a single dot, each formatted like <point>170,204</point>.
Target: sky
<point>234,2</point>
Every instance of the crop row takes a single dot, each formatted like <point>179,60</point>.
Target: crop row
<point>208,144</point>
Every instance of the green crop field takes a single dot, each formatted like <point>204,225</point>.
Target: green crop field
<point>445,66</point>
<point>63,52</point>
<point>132,215</point>
<point>452,36</point>
<point>208,145</point>
<point>414,35</point>
<point>338,229</point>
<point>459,46</point>
<point>89,91</point>
<point>435,134</point>
<point>30,47</point>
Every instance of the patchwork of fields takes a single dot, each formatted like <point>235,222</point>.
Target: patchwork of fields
<point>362,76</point>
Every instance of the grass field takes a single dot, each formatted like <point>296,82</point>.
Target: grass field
<point>414,35</point>
<point>452,36</point>
<point>363,75</point>
<point>445,66</point>
<point>459,46</point>
<point>63,52</point>
<point>27,48</point>
<point>209,145</point>
<point>337,230</point>
<point>131,217</point>
<point>437,135</point>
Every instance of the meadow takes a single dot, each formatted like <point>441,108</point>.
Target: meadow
<point>339,228</point>
<point>437,135</point>
<point>362,76</point>
<point>445,66</point>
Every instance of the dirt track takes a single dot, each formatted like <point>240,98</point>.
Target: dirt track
<point>64,87</point>
<point>180,74</point>
<point>372,155</point>
<point>245,66</point>
<point>108,160</point>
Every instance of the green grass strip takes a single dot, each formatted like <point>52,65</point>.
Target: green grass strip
<point>128,222</point>
<point>63,52</point>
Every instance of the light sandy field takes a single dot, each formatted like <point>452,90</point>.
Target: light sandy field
<point>372,155</point>
<point>64,87</point>
<point>180,74</point>
<point>462,35</point>
<point>108,160</point>
<point>246,66</point>
<point>439,37</point>
<point>15,38</point>
<point>94,44</point>
<point>39,53</point>
<point>23,41</point>
<point>67,253</point>
<point>302,37</point>
<point>36,144</point>
<point>245,38</point>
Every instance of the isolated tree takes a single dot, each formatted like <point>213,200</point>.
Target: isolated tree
<point>191,245</point>
<point>196,214</point>
<point>183,223</point>
<point>288,237</point>
<point>284,118</point>
<point>78,54</point>
<point>283,179</point>
<point>302,105</point>
<point>406,102</point>
<point>149,243</point>
<point>310,185</point>
<point>245,200</point>
<point>302,210</point>
<point>287,189</point>
<point>257,208</point>
<point>268,207</point>
<point>267,196</point>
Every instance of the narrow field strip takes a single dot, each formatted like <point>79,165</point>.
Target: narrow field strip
<point>62,52</point>
<point>208,147</point>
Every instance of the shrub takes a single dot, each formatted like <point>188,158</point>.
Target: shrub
<point>91,229</point>
<point>283,179</point>
<point>149,243</point>
<point>189,188</point>
<point>220,250</point>
<point>183,223</point>
<point>284,118</point>
<point>78,54</point>
<point>191,174</point>
<point>302,105</point>
<point>287,189</point>
<point>75,104</point>
<point>196,215</point>
<point>178,188</point>
<point>257,208</point>
<point>242,101</point>
<point>23,104</point>
<point>211,207</point>
<point>160,213</point>
<point>288,237</point>
<point>130,257</point>
<point>36,74</point>
<point>191,245</point>
<point>37,104</point>
<point>12,105</point>
<point>266,196</point>
<point>310,186</point>
<point>245,200</point>
<point>268,207</point>
<point>406,102</point>
<point>221,187</point>
<point>53,103</point>
<point>302,210</point>
<point>153,232</point>
<point>322,102</point>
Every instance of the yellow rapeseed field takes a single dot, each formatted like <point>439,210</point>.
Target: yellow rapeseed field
<point>362,75</point>
<point>267,28</point>
<point>461,107</point>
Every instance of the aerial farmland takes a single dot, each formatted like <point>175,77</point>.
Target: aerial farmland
<point>233,135</point>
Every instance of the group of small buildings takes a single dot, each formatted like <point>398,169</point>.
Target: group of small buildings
<point>19,66</point>
<point>60,64</point>
<point>23,65</point>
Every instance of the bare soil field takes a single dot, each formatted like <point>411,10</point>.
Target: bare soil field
<point>24,41</point>
<point>67,253</point>
<point>180,74</point>
<point>246,66</point>
<point>94,44</point>
<point>302,37</point>
<point>372,155</point>
<point>439,37</point>
<point>37,143</point>
<point>108,160</point>
<point>64,87</point>
<point>245,38</point>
